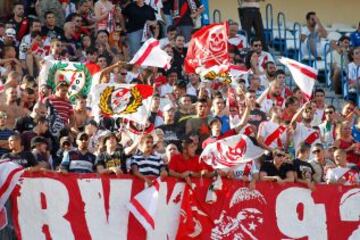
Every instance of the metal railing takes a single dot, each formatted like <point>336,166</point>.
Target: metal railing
<point>216,13</point>
<point>297,39</point>
<point>281,24</point>
<point>328,64</point>
<point>269,24</point>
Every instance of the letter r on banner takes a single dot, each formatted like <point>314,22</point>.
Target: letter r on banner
<point>310,223</point>
<point>32,220</point>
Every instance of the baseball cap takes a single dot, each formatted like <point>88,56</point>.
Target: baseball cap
<point>10,32</point>
<point>168,107</point>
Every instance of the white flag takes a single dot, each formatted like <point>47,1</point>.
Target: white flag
<point>144,205</point>
<point>150,54</point>
<point>230,152</point>
<point>9,176</point>
<point>304,76</point>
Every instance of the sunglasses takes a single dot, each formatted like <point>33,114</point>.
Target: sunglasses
<point>316,151</point>
<point>279,155</point>
<point>329,112</point>
<point>84,139</point>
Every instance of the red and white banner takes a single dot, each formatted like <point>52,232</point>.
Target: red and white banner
<point>9,176</point>
<point>144,205</point>
<point>208,47</point>
<point>58,206</point>
<point>150,54</point>
<point>230,152</point>
<point>130,101</point>
<point>303,75</point>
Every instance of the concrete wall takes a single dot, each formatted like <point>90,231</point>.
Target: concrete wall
<point>329,11</point>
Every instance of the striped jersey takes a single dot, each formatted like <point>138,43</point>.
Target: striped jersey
<point>63,107</point>
<point>150,165</point>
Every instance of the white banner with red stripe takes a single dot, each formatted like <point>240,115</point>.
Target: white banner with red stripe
<point>151,55</point>
<point>9,176</point>
<point>303,75</point>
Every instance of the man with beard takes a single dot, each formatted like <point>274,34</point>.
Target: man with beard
<point>311,36</point>
<point>269,76</point>
<point>11,108</point>
<point>21,24</point>
<point>303,132</point>
<point>271,97</point>
<point>272,134</point>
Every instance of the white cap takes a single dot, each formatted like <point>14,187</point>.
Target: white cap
<point>10,32</point>
<point>168,107</point>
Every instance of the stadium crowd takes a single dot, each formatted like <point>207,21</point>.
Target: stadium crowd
<point>306,142</point>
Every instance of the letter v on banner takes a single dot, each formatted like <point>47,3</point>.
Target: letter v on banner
<point>304,76</point>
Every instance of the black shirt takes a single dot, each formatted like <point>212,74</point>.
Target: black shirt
<point>173,133</point>
<point>24,124</point>
<point>55,33</point>
<point>178,60</point>
<point>116,159</point>
<point>24,158</point>
<point>137,16</point>
<point>303,169</point>
<point>186,19</point>
<point>271,170</point>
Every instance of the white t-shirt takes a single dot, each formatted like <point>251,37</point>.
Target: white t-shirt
<point>350,176</point>
<point>302,133</point>
<point>354,72</point>
<point>267,128</point>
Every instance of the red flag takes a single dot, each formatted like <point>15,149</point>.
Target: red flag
<point>208,47</point>
<point>3,218</point>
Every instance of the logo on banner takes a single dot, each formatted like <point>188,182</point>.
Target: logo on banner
<point>247,220</point>
<point>76,74</point>
<point>120,100</point>
<point>229,154</point>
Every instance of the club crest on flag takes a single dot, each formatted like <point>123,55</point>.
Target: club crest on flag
<point>230,152</point>
<point>120,100</point>
<point>130,101</point>
<point>74,73</point>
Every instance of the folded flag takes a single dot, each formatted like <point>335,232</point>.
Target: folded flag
<point>9,177</point>
<point>144,205</point>
<point>151,55</point>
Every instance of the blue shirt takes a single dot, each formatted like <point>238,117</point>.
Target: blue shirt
<point>225,123</point>
<point>355,132</point>
<point>355,39</point>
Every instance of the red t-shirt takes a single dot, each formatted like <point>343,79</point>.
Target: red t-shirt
<point>179,164</point>
<point>226,134</point>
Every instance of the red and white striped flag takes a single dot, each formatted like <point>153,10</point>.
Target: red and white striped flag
<point>304,76</point>
<point>151,55</point>
<point>144,205</point>
<point>9,176</point>
<point>230,152</point>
